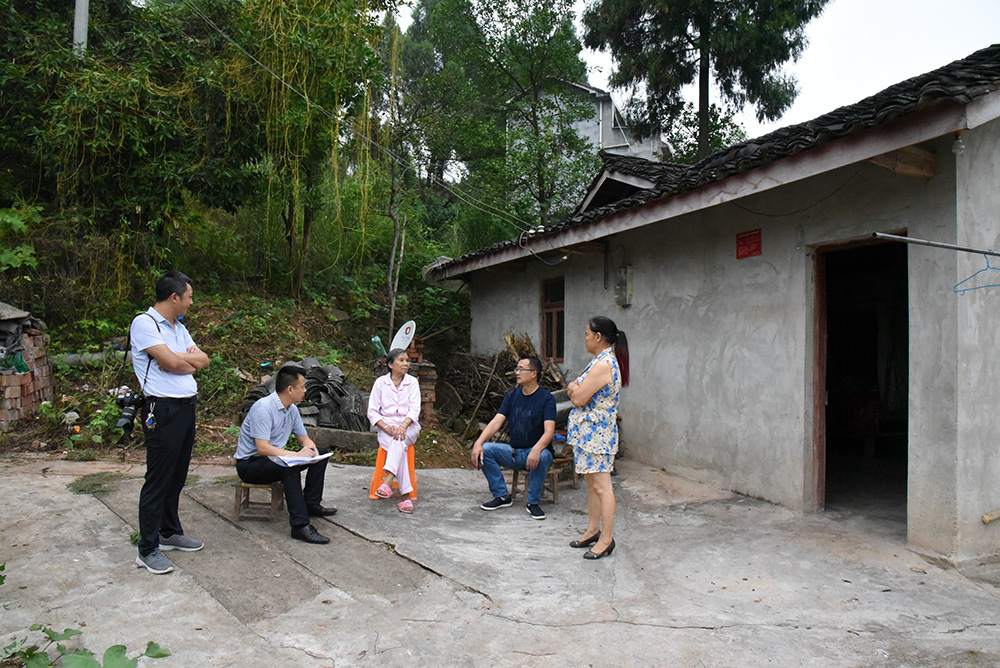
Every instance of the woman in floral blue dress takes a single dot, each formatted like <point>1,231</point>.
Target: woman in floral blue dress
<point>593,429</point>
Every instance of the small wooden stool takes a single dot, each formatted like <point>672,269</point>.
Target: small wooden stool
<point>554,479</point>
<point>246,509</point>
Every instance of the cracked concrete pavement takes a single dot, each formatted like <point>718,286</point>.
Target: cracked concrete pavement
<point>700,578</point>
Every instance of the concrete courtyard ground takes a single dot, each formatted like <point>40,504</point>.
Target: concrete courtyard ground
<point>700,578</point>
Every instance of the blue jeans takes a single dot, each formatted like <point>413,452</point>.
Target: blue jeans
<point>497,455</point>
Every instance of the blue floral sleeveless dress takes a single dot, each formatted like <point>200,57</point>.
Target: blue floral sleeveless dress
<point>593,428</point>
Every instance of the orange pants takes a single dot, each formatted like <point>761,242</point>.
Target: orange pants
<point>379,473</point>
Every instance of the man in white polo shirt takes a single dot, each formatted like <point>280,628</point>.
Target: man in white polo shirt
<point>164,358</point>
<point>263,435</point>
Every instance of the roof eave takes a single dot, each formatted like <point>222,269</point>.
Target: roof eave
<point>920,126</point>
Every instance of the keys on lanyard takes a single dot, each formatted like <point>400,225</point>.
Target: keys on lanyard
<point>150,418</point>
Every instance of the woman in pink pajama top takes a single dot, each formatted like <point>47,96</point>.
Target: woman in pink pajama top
<point>393,408</point>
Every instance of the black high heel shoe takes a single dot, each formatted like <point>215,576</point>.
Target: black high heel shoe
<point>586,542</point>
<point>590,554</point>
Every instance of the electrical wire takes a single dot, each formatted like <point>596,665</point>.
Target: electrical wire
<point>805,208</point>
<point>470,200</point>
<point>521,244</point>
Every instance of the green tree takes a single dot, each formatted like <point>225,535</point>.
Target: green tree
<point>682,135</point>
<point>397,134</point>
<point>429,83</point>
<point>112,144</point>
<point>14,223</point>
<point>118,134</point>
<point>516,110</point>
<point>663,46</point>
<point>166,145</point>
<point>322,52</point>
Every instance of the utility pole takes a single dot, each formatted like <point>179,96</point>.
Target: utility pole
<point>80,21</point>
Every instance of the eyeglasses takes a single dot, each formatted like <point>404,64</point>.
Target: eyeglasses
<point>520,368</point>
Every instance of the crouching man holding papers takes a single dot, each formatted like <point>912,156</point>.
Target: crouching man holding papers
<point>262,459</point>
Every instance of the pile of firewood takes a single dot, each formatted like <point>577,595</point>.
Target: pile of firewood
<point>473,386</point>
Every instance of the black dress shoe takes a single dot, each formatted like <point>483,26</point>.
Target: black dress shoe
<point>320,511</point>
<point>586,542</point>
<point>590,554</point>
<point>309,535</point>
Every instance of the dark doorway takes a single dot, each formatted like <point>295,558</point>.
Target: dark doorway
<point>867,362</point>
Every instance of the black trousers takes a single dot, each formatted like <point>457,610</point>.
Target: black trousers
<point>258,470</point>
<point>168,455</point>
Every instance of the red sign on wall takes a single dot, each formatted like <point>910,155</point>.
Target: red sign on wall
<point>747,244</point>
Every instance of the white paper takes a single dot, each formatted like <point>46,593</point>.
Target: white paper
<point>297,460</point>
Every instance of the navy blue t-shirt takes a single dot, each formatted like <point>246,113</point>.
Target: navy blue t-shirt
<point>526,415</point>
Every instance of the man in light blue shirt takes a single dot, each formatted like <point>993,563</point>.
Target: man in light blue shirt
<point>165,358</point>
<point>263,435</point>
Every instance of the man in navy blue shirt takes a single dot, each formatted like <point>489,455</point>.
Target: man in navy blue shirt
<point>530,412</point>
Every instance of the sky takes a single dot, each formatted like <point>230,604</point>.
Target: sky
<point>858,47</point>
<point>855,49</point>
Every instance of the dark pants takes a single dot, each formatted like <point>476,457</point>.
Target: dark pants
<point>258,470</point>
<point>168,454</point>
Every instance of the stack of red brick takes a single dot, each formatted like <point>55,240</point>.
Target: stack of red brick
<point>23,393</point>
<point>427,378</point>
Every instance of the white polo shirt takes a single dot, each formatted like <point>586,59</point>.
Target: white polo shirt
<point>145,334</point>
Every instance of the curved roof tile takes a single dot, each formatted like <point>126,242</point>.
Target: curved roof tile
<point>961,81</point>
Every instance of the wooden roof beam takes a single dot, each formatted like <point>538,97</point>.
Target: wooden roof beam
<point>586,248</point>
<point>908,161</point>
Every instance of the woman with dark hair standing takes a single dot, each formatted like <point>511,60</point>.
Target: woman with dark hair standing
<point>593,429</point>
<point>393,409</point>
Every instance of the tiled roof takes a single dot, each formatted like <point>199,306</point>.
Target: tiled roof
<point>961,81</point>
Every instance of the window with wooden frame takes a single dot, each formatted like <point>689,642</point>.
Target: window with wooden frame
<point>553,319</point>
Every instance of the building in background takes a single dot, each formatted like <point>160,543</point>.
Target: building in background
<point>777,348</point>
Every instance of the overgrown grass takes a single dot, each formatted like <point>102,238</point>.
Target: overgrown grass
<point>362,458</point>
<point>226,480</point>
<point>95,483</point>
<point>83,455</point>
<point>209,449</point>
<point>246,337</point>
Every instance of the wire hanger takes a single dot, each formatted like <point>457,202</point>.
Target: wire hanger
<point>958,289</point>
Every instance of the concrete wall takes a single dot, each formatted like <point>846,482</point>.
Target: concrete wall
<point>977,319</point>
<point>601,132</point>
<point>932,457</point>
<point>719,348</point>
<point>504,301</point>
<point>722,349</point>
<point>592,128</point>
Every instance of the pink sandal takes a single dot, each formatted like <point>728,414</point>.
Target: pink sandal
<point>405,506</point>
<point>383,491</point>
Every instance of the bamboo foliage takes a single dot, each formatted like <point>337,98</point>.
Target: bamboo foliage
<point>322,53</point>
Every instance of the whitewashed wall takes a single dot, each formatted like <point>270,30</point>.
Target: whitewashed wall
<point>977,320</point>
<point>722,349</point>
